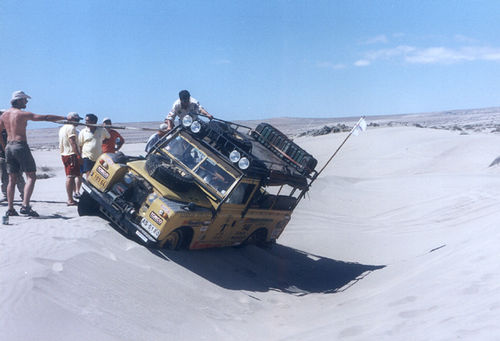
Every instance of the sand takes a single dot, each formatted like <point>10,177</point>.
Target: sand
<point>398,239</point>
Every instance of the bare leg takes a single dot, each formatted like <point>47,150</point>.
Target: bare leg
<point>70,186</point>
<point>78,183</point>
<point>28,189</point>
<point>20,184</point>
<point>10,190</point>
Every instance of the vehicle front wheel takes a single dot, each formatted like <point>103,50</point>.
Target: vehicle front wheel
<point>173,240</point>
<point>87,205</point>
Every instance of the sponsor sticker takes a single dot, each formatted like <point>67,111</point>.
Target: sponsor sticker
<point>102,172</point>
<point>156,218</point>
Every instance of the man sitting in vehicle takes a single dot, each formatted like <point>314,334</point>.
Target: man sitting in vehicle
<point>183,106</point>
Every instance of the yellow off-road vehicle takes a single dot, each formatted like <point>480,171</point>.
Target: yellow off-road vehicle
<point>204,184</point>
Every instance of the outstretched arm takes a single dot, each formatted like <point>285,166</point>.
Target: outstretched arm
<point>35,117</point>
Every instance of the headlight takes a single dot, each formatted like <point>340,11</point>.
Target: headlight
<point>187,120</point>
<point>244,163</point>
<point>196,127</point>
<point>234,156</point>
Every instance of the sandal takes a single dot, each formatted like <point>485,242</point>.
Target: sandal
<point>27,210</point>
<point>11,213</point>
<point>72,203</point>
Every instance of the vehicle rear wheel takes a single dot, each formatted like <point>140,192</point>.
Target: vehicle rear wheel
<point>258,237</point>
<point>174,240</point>
<point>168,174</point>
<point>87,205</point>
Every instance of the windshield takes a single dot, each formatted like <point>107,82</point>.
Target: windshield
<point>204,167</point>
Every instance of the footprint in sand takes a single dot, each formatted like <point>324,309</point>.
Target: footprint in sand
<point>57,267</point>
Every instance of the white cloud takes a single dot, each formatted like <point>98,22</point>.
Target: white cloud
<point>448,56</point>
<point>380,39</point>
<point>362,62</point>
<point>432,55</point>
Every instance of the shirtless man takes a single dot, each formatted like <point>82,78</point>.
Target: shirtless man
<point>17,151</point>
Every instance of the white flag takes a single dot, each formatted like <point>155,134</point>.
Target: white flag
<point>360,127</point>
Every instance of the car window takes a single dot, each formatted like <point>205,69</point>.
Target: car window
<point>185,152</point>
<point>215,176</point>
<point>240,194</point>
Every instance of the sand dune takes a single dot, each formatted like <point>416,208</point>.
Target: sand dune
<point>398,239</point>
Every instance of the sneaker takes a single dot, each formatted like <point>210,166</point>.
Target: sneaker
<point>11,213</point>
<point>27,210</point>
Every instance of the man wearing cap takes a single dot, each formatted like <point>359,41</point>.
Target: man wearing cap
<point>71,157</point>
<point>183,106</point>
<point>115,142</point>
<point>17,151</point>
<point>3,169</point>
<point>90,141</point>
<point>153,139</point>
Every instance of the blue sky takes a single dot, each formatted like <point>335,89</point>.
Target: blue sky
<point>250,59</point>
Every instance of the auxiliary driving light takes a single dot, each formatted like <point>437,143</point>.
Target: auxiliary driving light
<point>235,156</point>
<point>196,127</point>
<point>244,163</point>
<point>187,121</point>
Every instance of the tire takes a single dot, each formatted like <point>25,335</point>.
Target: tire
<point>87,206</point>
<point>174,240</point>
<point>278,143</point>
<point>168,174</point>
<point>258,237</point>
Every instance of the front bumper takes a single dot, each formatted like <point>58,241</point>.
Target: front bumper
<point>118,212</point>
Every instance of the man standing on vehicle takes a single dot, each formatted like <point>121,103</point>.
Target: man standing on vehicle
<point>17,151</point>
<point>153,139</point>
<point>90,142</point>
<point>71,157</point>
<point>183,106</point>
<point>115,142</point>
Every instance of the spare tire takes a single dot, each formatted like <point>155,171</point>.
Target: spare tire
<point>167,173</point>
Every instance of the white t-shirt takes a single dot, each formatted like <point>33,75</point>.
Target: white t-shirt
<point>91,143</point>
<point>193,109</point>
<point>67,131</point>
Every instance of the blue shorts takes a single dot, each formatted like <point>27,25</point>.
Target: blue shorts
<point>88,164</point>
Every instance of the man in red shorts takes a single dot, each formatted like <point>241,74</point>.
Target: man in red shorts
<point>71,157</point>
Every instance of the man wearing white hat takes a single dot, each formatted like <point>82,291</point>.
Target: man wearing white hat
<point>17,151</point>
<point>71,157</point>
<point>3,169</point>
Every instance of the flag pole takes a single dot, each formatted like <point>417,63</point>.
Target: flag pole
<point>330,159</point>
<point>335,153</point>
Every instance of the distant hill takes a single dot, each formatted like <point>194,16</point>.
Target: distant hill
<point>485,120</point>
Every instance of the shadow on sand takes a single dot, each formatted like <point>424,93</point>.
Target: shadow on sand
<point>280,268</point>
